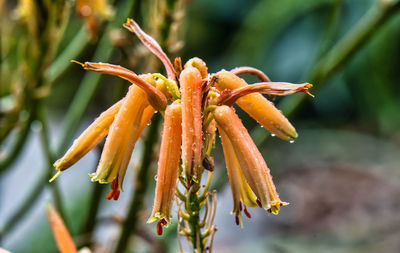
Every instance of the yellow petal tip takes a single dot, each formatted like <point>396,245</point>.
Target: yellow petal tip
<point>55,176</point>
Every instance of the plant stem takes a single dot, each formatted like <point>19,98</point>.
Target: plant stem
<point>91,80</point>
<point>44,137</point>
<point>27,203</point>
<point>139,191</point>
<point>194,221</point>
<point>353,41</point>
<point>339,55</point>
<point>91,216</point>
<point>19,143</point>
<point>74,48</point>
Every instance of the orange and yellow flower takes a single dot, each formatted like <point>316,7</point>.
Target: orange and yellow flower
<point>251,162</point>
<point>193,106</point>
<point>168,163</point>
<point>191,95</point>
<point>257,106</point>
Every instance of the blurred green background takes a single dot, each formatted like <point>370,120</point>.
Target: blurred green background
<point>341,177</point>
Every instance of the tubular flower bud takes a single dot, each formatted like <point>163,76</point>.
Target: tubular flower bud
<point>168,163</point>
<point>146,117</point>
<point>61,235</point>
<point>92,136</point>
<point>241,191</point>
<point>124,132</point>
<point>144,121</point>
<point>191,96</point>
<point>251,162</point>
<point>198,64</point>
<point>257,106</point>
<point>156,98</point>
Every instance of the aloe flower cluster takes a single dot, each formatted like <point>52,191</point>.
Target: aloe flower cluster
<point>194,104</point>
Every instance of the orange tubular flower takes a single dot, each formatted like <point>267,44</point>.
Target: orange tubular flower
<point>123,134</point>
<point>146,117</point>
<point>96,132</point>
<point>63,238</point>
<point>168,163</point>
<point>257,106</point>
<point>156,98</point>
<point>123,123</point>
<point>229,97</point>
<point>92,136</point>
<point>241,191</point>
<point>191,95</point>
<point>251,162</point>
<point>194,105</point>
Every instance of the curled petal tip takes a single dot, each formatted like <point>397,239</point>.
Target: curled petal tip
<point>77,62</point>
<point>305,88</point>
<point>152,45</point>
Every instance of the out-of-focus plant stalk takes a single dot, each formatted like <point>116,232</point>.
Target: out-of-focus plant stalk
<point>37,47</point>
<point>355,39</point>
<point>74,115</point>
<point>341,52</point>
<point>74,48</point>
<point>90,221</point>
<point>44,137</point>
<point>91,80</point>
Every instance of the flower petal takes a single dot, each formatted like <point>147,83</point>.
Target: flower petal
<point>126,124</point>
<point>257,106</point>
<point>241,191</point>
<point>152,45</point>
<point>229,97</point>
<point>156,98</point>
<point>63,237</point>
<point>92,136</point>
<point>168,163</point>
<point>250,159</point>
<point>146,117</point>
<point>191,96</point>
<point>251,71</point>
